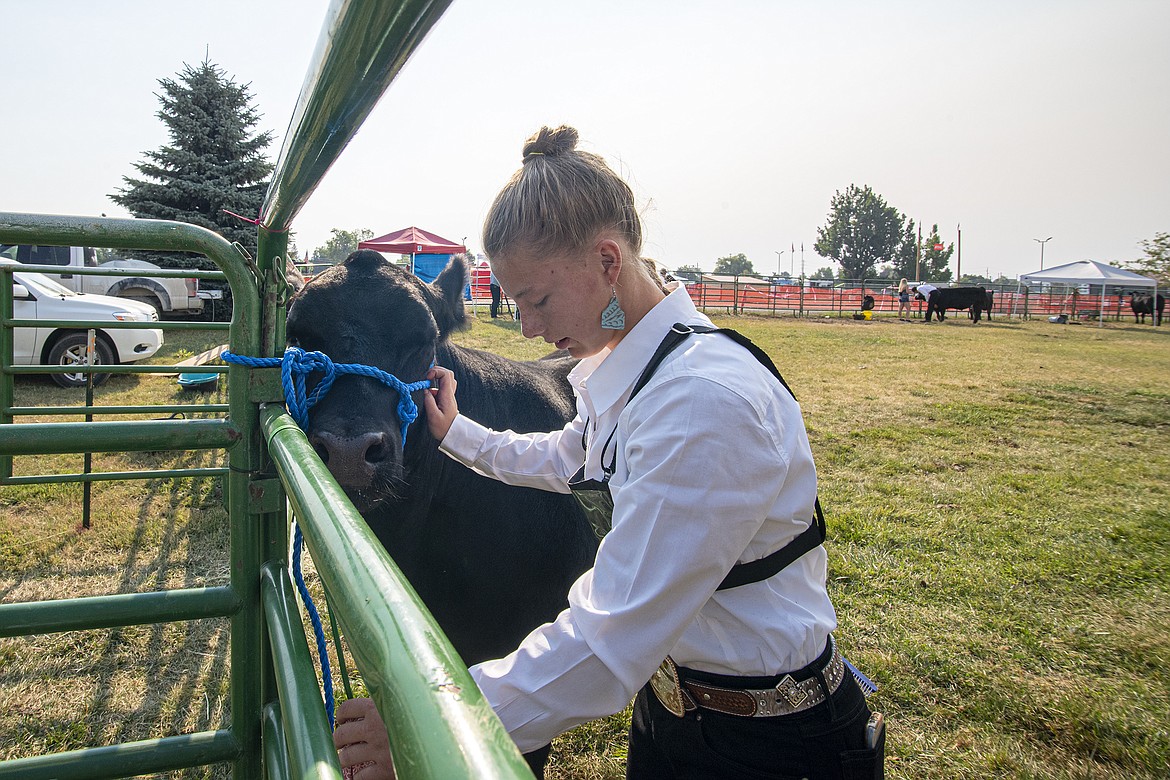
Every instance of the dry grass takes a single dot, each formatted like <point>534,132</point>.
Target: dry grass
<point>997,501</point>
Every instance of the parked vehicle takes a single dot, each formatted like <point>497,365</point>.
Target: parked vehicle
<point>37,297</point>
<point>167,296</point>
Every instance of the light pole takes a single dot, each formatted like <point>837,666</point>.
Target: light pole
<point>778,261</point>
<point>1042,242</point>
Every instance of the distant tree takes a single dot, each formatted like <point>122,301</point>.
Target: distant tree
<point>694,269</point>
<point>862,230</point>
<point>974,279</point>
<point>341,244</point>
<point>1156,262</point>
<point>823,273</point>
<point>936,262</point>
<point>906,264</point>
<point>734,265</point>
<point>214,162</point>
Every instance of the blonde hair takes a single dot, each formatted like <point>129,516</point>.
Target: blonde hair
<point>559,199</point>
<point>902,285</point>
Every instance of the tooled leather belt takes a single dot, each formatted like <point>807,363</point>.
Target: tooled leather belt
<point>787,697</point>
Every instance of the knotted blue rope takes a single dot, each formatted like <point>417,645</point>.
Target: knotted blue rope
<point>298,363</point>
<point>294,367</point>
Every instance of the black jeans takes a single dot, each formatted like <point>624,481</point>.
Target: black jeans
<point>495,307</point>
<point>826,742</point>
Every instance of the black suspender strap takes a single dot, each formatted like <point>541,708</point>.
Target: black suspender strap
<point>763,568</point>
<point>809,539</point>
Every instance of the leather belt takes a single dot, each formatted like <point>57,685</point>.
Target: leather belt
<point>787,697</point>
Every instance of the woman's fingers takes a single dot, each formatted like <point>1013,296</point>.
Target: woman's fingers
<point>363,747</point>
<point>440,402</point>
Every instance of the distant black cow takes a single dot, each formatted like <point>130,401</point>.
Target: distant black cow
<point>973,298</point>
<point>1143,304</point>
<point>987,306</point>
<point>490,561</point>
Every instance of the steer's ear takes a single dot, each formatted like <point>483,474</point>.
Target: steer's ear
<point>449,286</point>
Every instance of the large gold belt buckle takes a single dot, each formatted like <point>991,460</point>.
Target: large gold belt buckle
<point>666,687</point>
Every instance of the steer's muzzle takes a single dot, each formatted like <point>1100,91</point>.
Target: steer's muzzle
<point>353,460</point>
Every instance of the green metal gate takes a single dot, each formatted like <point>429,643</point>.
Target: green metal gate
<point>438,723</point>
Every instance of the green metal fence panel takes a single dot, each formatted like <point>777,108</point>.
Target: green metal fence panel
<point>438,722</point>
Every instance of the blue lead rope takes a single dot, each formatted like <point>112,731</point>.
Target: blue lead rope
<point>315,618</point>
<point>294,367</point>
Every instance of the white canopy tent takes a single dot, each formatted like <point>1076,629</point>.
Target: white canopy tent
<point>1091,272</point>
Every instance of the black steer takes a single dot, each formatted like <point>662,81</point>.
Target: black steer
<point>1143,304</point>
<point>490,561</point>
<point>973,298</point>
<point>988,303</point>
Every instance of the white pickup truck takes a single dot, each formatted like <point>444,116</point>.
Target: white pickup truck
<point>167,296</point>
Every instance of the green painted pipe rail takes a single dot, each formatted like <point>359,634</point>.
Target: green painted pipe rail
<point>124,436</point>
<point>127,759</point>
<point>111,476</point>
<point>363,46</point>
<point>25,411</point>
<point>308,741</point>
<point>438,721</point>
<point>162,273</point>
<point>275,752</point>
<point>115,611</point>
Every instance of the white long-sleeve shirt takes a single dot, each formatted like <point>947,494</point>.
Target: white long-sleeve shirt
<point>713,468</point>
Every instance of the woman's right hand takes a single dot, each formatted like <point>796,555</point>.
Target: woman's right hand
<point>363,747</point>
<point>440,402</point>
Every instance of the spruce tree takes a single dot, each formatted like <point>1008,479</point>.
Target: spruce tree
<point>213,162</point>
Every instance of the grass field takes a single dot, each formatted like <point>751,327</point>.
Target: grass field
<point>998,500</point>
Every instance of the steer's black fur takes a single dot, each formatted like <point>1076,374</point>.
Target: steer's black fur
<point>973,298</point>
<point>1143,304</point>
<point>490,561</point>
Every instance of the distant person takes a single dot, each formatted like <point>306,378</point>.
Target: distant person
<point>903,300</point>
<point>923,292</point>
<point>494,286</point>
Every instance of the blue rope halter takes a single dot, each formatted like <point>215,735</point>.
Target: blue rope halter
<point>298,363</point>
<point>294,367</point>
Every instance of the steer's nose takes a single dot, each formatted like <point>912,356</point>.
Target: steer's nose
<point>353,460</point>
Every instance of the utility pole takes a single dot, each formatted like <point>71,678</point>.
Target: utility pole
<point>959,268</point>
<point>1042,242</point>
<point>918,256</point>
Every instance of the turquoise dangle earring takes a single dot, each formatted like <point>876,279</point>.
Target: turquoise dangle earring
<point>613,318</point>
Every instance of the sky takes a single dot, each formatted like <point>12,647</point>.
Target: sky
<point>735,122</point>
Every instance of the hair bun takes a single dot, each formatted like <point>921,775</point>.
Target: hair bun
<point>549,142</point>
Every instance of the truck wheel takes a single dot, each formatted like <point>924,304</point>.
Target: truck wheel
<point>147,298</point>
<point>69,350</point>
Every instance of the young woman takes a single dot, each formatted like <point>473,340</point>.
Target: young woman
<point>700,469</point>
<point>903,299</point>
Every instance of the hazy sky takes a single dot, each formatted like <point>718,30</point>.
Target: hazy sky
<point>734,121</point>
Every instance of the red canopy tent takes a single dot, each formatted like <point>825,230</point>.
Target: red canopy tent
<point>413,241</point>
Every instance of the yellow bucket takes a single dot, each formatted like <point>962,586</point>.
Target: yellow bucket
<point>867,314</point>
